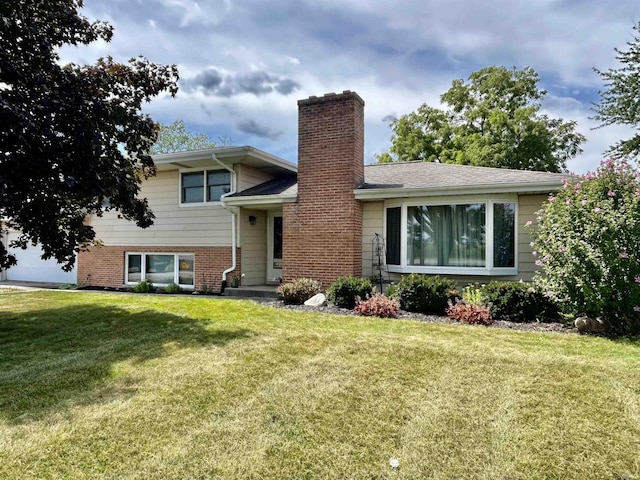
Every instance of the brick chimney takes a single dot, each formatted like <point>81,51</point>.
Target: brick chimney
<point>323,229</point>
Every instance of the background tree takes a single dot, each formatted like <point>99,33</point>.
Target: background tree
<point>494,120</point>
<point>70,135</point>
<point>620,102</point>
<point>175,138</point>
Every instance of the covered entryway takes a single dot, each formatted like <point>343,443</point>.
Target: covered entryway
<point>31,268</point>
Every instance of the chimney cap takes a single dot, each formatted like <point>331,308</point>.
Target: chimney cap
<point>331,97</point>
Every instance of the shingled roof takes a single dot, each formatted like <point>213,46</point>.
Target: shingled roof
<point>389,180</point>
<point>286,184</point>
<point>416,179</point>
<point>443,175</point>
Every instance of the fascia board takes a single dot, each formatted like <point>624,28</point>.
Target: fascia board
<point>386,193</point>
<point>223,153</point>
<point>260,200</point>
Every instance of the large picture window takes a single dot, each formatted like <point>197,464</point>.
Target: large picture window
<point>472,237</point>
<point>160,268</point>
<point>446,235</point>
<point>204,186</point>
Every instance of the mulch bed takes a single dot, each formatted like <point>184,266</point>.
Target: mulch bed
<point>552,327</point>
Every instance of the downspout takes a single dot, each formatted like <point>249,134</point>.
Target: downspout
<point>233,222</point>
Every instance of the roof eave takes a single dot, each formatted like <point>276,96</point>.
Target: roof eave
<point>400,192</point>
<point>223,153</point>
<point>260,200</point>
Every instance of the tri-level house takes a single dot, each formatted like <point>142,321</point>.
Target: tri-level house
<point>238,212</point>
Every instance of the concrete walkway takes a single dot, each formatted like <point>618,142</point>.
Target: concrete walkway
<point>13,286</point>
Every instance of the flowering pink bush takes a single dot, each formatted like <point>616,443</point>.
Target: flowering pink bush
<point>587,243</point>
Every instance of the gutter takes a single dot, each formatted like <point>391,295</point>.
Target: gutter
<point>253,200</point>
<point>233,222</point>
<point>399,192</point>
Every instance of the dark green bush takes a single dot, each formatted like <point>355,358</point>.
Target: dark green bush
<point>298,291</point>
<point>344,290</point>
<point>518,302</point>
<point>425,294</point>
<point>144,286</point>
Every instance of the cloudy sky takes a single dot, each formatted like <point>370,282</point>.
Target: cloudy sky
<point>244,64</point>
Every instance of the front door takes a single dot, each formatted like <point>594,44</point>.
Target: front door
<point>274,247</point>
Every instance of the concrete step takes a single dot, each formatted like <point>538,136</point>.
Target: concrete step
<point>257,291</point>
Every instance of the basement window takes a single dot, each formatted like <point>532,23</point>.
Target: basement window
<point>160,268</point>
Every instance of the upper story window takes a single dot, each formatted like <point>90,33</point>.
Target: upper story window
<point>475,237</point>
<point>204,186</point>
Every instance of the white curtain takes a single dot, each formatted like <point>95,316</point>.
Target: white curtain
<point>447,235</point>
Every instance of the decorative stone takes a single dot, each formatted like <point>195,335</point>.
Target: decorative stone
<point>318,300</point>
<point>590,325</point>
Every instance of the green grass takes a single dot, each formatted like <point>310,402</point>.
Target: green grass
<point>157,387</point>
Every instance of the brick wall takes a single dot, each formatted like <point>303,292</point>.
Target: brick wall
<point>104,266</point>
<point>323,229</point>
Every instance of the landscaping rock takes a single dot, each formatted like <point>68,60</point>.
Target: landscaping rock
<point>590,325</point>
<point>318,300</point>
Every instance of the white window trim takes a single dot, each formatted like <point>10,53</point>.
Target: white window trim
<point>488,201</point>
<point>143,268</point>
<point>204,201</point>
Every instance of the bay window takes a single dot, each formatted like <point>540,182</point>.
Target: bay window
<point>160,268</point>
<point>468,237</point>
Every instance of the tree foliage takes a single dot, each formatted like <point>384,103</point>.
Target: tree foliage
<point>71,136</point>
<point>587,243</point>
<point>620,102</point>
<point>494,120</point>
<point>175,138</point>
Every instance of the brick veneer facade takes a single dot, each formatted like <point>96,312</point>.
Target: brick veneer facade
<point>323,229</point>
<point>104,266</point>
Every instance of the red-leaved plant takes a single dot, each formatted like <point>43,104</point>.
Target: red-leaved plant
<point>469,313</point>
<point>377,305</point>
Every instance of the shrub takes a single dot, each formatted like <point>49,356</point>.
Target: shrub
<point>587,243</point>
<point>392,291</point>
<point>298,291</point>
<point>517,302</point>
<point>473,294</point>
<point>144,286</point>
<point>470,313</point>
<point>344,290</point>
<point>378,305</point>
<point>173,288</point>
<point>425,294</point>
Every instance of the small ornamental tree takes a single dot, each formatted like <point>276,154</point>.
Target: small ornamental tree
<point>71,136</point>
<point>587,243</point>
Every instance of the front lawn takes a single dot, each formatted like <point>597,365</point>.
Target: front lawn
<point>156,387</point>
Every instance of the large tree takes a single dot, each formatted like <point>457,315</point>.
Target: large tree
<point>175,138</point>
<point>620,101</point>
<point>71,136</point>
<point>494,120</point>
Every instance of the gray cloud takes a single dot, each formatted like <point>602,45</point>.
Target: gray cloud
<point>252,128</point>
<point>396,55</point>
<point>286,86</point>
<point>389,118</point>
<point>212,82</point>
